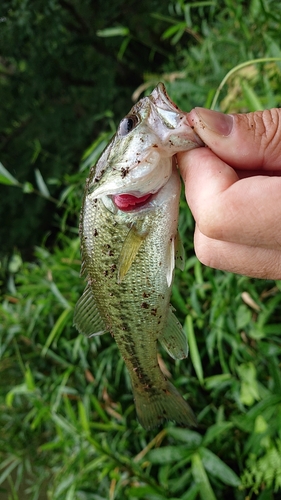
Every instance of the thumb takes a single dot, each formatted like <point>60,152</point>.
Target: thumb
<point>244,141</point>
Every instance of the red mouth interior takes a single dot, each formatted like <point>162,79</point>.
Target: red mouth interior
<point>127,202</point>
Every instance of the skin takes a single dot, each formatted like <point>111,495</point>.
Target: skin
<point>233,188</point>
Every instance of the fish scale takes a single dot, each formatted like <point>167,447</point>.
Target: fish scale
<point>129,256</point>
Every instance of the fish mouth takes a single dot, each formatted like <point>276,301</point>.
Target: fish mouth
<point>160,98</point>
<point>127,202</point>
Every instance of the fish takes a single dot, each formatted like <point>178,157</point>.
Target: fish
<point>130,246</point>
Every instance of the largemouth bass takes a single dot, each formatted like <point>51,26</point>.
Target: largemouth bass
<point>129,246</point>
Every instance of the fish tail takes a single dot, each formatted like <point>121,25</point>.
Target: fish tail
<point>154,408</point>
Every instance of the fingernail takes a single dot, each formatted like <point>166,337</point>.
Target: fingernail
<point>217,122</point>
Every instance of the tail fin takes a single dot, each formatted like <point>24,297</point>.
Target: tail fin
<point>154,408</point>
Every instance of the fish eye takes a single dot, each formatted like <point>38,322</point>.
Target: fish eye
<point>128,124</point>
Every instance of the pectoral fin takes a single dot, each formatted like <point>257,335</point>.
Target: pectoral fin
<point>129,251</point>
<point>173,338</point>
<point>170,261</point>
<point>86,316</point>
<point>175,257</point>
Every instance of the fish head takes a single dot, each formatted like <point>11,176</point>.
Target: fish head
<point>138,160</point>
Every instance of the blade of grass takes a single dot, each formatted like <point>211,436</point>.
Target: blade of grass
<point>193,348</point>
<point>201,478</point>
<point>7,178</point>
<point>235,70</point>
<point>56,330</point>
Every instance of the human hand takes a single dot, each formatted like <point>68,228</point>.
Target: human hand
<point>233,188</point>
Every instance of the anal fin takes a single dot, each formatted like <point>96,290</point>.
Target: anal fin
<point>87,318</point>
<point>173,338</point>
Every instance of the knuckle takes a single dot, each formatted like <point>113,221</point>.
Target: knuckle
<point>267,132</point>
<point>211,225</point>
<point>205,249</point>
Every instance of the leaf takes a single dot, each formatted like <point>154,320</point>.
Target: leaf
<point>93,152</point>
<point>116,31</point>
<point>59,296</point>
<point>15,462</point>
<point>168,454</point>
<point>56,330</point>
<point>215,430</point>
<point>192,493</point>
<point>29,380</point>
<point>251,97</point>
<point>27,188</point>
<point>173,29</point>
<point>191,438</point>
<point>249,386</point>
<point>193,349</point>
<point>144,492</point>
<point>216,381</point>
<point>41,184</point>
<point>83,417</point>
<point>243,317</point>
<point>201,478</point>
<point>6,177</point>
<point>218,468</point>
<point>18,389</point>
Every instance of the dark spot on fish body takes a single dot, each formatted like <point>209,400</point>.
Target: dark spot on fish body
<point>124,172</point>
<point>113,268</point>
<point>155,146</point>
<point>96,232</point>
<point>154,311</point>
<point>105,272</point>
<point>145,305</point>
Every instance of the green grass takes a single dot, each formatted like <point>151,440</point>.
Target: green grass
<point>67,419</point>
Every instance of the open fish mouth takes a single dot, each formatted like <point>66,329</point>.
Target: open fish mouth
<point>127,202</point>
